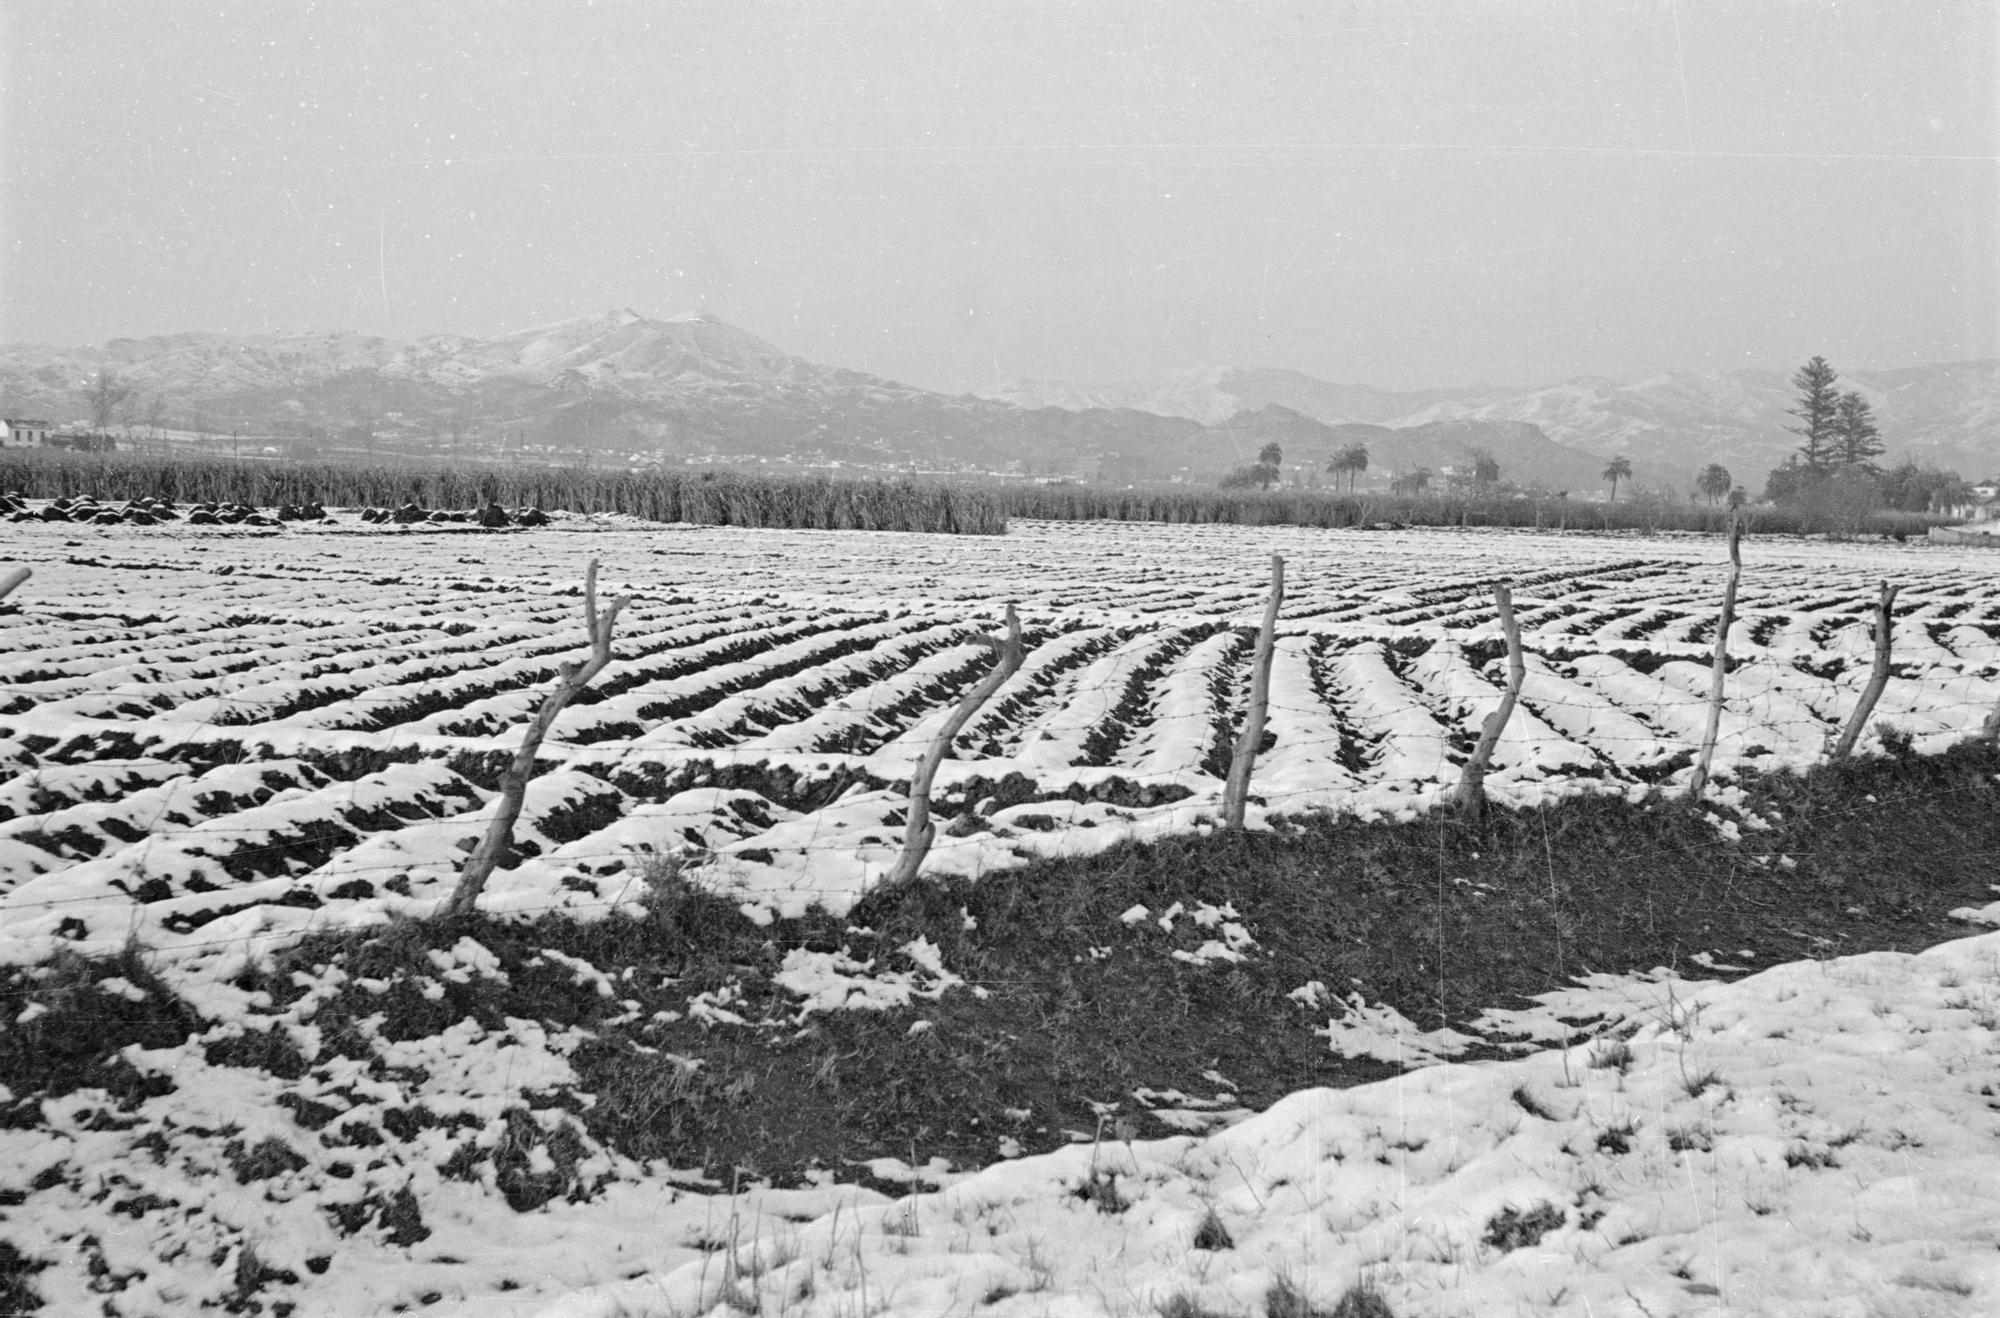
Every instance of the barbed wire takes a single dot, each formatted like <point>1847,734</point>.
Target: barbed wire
<point>1088,695</point>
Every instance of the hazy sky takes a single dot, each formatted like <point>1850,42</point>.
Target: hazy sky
<point>956,194</point>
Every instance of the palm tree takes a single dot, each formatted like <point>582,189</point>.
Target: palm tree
<point>1620,468</point>
<point>1485,468</point>
<point>1714,481</point>
<point>1352,461</point>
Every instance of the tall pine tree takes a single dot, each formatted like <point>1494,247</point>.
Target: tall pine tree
<point>1818,407</point>
<point>1857,441</point>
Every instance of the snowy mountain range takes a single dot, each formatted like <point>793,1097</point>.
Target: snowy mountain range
<point>693,385</point>
<point>1945,415</point>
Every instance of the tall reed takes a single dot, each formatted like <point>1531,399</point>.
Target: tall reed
<point>708,497</point>
<point>1326,509</point>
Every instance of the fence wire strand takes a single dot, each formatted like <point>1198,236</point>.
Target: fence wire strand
<point>1133,681</point>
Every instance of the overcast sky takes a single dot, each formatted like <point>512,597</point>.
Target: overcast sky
<point>959,194</point>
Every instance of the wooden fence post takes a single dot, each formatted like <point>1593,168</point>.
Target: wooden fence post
<point>1699,782</point>
<point>571,679</point>
<point>1236,791</point>
<point>1877,680</point>
<point>918,831</point>
<point>1471,796</point>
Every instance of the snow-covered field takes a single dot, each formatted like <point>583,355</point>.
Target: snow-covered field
<point>1823,1139</point>
<point>1820,1139</point>
<point>214,736</point>
<point>214,739</point>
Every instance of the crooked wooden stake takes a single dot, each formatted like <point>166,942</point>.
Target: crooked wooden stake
<point>12,578</point>
<point>1699,782</point>
<point>571,679</point>
<point>1877,680</point>
<point>919,832</point>
<point>1471,797</point>
<point>1236,791</point>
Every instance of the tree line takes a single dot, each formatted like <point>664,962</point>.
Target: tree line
<point>1834,470</point>
<point>1348,463</point>
<point>1835,467</point>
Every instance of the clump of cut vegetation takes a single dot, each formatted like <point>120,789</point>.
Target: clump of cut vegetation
<point>1512,1228</point>
<point>1613,1056</point>
<point>1283,1299</point>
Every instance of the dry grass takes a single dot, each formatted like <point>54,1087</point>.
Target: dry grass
<point>709,498</point>
<point>1327,509</point>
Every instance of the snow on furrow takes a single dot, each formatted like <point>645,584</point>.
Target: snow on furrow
<point>1852,635</point>
<point>1794,638</point>
<point>863,719</point>
<point>1401,737</point>
<point>1044,679</point>
<point>1591,719</point>
<point>1528,746</point>
<point>419,680</point>
<point>605,868</point>
<point>1155,729</point>
<point>895,755</point>
<point>1650,625</point>
<point>59,786</point>
<point>85,829</point>
<point>1557,630</point>
<point>1773,698</point>
<point>529,683</point>
<point>413,665</point>
<point>1910,643</point>
<point>1174,742</point>
<point>826,859</point>
<point>420,860</point>
<point>250,856</point>
<point>1304,767</point>
<point>331,649</point>
<point>1974,646</point>
<point>72,661</point>
<point>886,648</point>
<point>1670,706</point>
<point>1938,711</point>
<point>1058,738</point>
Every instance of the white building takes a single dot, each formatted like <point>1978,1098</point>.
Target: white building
<point>17,433</point>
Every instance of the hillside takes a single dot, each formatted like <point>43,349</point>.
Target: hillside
<point>1669,425</point>
<point>694,387</point>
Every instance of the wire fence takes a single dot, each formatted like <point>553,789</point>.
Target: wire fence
<point>1118,725</point>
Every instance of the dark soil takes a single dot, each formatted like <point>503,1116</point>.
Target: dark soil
<point>1066,1005</point>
